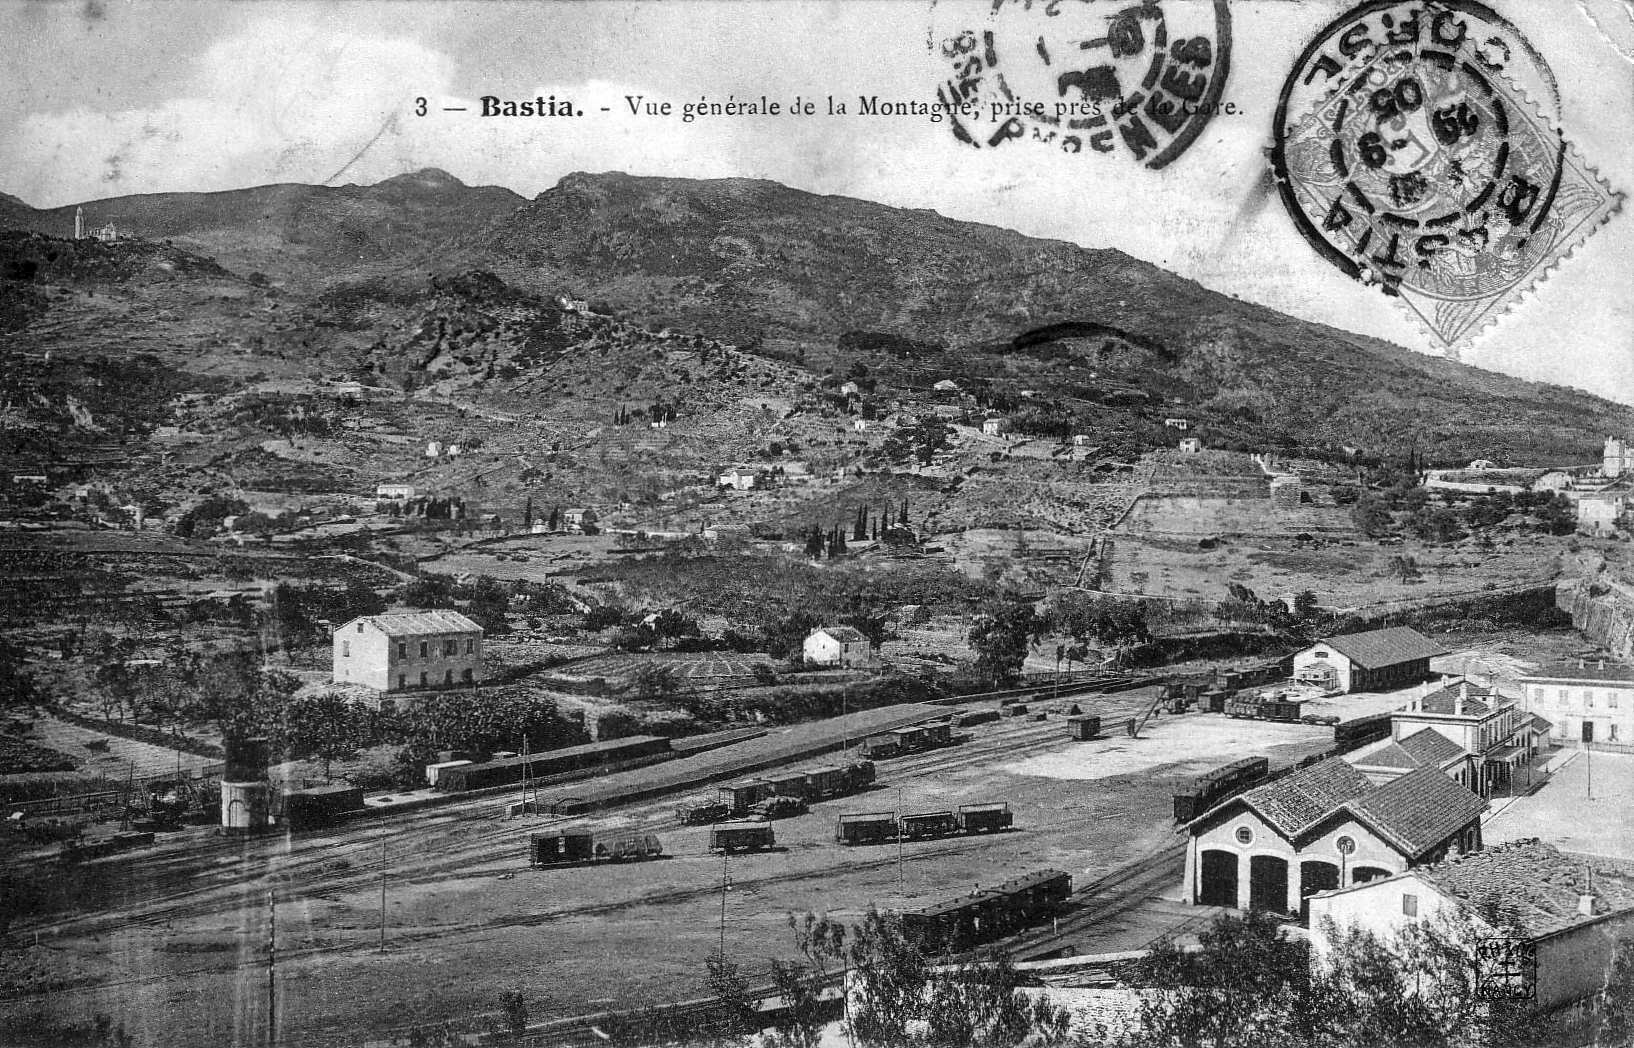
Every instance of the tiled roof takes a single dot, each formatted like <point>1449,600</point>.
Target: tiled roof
<point>1581,670</point>
<point>843,634</point>
<point>1432,748</point>
<point>413,623</point>
<point>1391,756</point>
<point>1295,802</point>
<point>1418,811</point>
<point>1386,647</point>
<point>1528,882</point>
<point>1539,724</point>
<point>1478,700</point>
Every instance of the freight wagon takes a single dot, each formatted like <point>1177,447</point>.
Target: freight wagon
<point>983,818</point>
<point>966,718</point>
<point>926,824</point>
<point>507,770</point>
<point>1348,735</point>
<point>865,827</point>
<point>318,805</point>
<point>741,796</point>
<point>1212,787</point>
<point>1281,709</point>
<point>741,836</point>
<point>982,916</point>
<point>1083,727</point>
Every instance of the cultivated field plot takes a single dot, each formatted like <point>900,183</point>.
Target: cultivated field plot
<point>113,756</point>
<point>691,667</point>
<point>463,904</point>
<point>1341,574</point>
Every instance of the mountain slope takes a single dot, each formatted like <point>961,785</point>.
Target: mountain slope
<point>297,232</point>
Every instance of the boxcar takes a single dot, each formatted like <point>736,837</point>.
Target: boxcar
<point>547,849</point>
<point>1083,727</point>
<point>630,847</point>
<point>954,924</point>
<point>319,805</point>
<point>888,744</point>
<point>738,796</point>
<point>1037,894</point>
<point>1348,735</point>
<point>741,836</point>
<point>983,818</point>
<point>825,782</point>
<point>927,824</point>
<point>865,827</point>
<point>1284,711</point>
<point>789,785</point>
<point>1211,787</point>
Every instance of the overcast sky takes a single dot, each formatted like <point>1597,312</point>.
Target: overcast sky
<point>110,98</point>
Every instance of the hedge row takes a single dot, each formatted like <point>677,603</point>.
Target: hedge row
<point>142,733</point>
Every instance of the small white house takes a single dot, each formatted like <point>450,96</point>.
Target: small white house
<point>1191,446</point>
<point>395,492</point>
<point>434,449</point>
<point>836,646</point>
<point>574,520</point>
<point>946,385</point>
<point>860,425</point>
<point>1177,423</point>
<point>1082,440</point>
<point>995,426</point>
<point>737,478</point>
<point>851,389</point>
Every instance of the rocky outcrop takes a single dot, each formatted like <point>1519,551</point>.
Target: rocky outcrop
<point>1601,610</point>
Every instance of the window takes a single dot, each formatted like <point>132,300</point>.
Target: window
<point>1409,905</point>
<point>345,649</point>
<point>402,649</point>
<point>470,648</point>
<point>425,649</point>
<point>1588,699</point>
<point>1245,835</point>
<point>451,647</point>
<point>1561,699</point>
<point>1611,699</point>
<point>1612,730</point>
<point>360,627</point>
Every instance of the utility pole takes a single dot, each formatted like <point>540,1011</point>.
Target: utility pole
<point>272,963</point>
<point>726,882</point>
<point>901,877</point>
<point>382,895</point>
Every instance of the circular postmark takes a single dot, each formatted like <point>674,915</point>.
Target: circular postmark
<point>1085,76</point>
<point>1415,147</point>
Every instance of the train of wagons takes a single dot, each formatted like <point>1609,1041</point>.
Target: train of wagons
<point>984,915</point>
<point>1212,787</point>
<point>761,796</point>
<point>563,847</point>
<point>967,819</point>
<point>916,738</point>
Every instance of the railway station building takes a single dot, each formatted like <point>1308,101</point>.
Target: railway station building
<point>1322,827</point>
<point>1590,703</point>
<point>1377,660</point>
<point>409,650</point>
<point>1569,915</point>
<point>1493,730</point>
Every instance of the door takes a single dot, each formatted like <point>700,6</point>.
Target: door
<point>1268,884</point>
<point>1588,731</point>
<point>1315,876</point>
<point>1219,887</point>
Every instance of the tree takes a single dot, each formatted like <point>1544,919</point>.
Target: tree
<point>527,513</point>
<point>488,604</point>
<point>555,521</point>
<point>669,625</point>
<point>1305,605</point>
<point>859,528</point>
<point>1404,567</point>
<point>515,1008</point>
<point>1001,636</point>
<point>654,680</point>
<point>1371,516</point>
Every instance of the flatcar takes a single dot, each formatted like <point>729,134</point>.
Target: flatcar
<point>985,915</point>
<point>741,836</point>
<point>865,827</point>
<point>927,824</point>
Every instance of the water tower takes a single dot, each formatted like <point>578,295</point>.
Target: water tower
<point>245,795</point>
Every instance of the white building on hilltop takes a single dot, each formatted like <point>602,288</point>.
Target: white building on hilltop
<point>836,646</point>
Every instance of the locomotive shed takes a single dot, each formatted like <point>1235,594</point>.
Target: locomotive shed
<point>462,897</point>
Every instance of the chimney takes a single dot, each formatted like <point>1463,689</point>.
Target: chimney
<point>1585,905</point>
<point>1463,695</point>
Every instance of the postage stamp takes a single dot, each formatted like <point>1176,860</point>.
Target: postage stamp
<point>1412,154</point>
<point>1142,80</point>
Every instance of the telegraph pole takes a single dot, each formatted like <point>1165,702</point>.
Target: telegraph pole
<point>901,877</point>
<point>272,963</point>
<point>382,895</point>
<point>726,882</point>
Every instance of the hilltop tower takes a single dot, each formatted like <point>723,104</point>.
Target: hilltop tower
<point>79,223</point>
